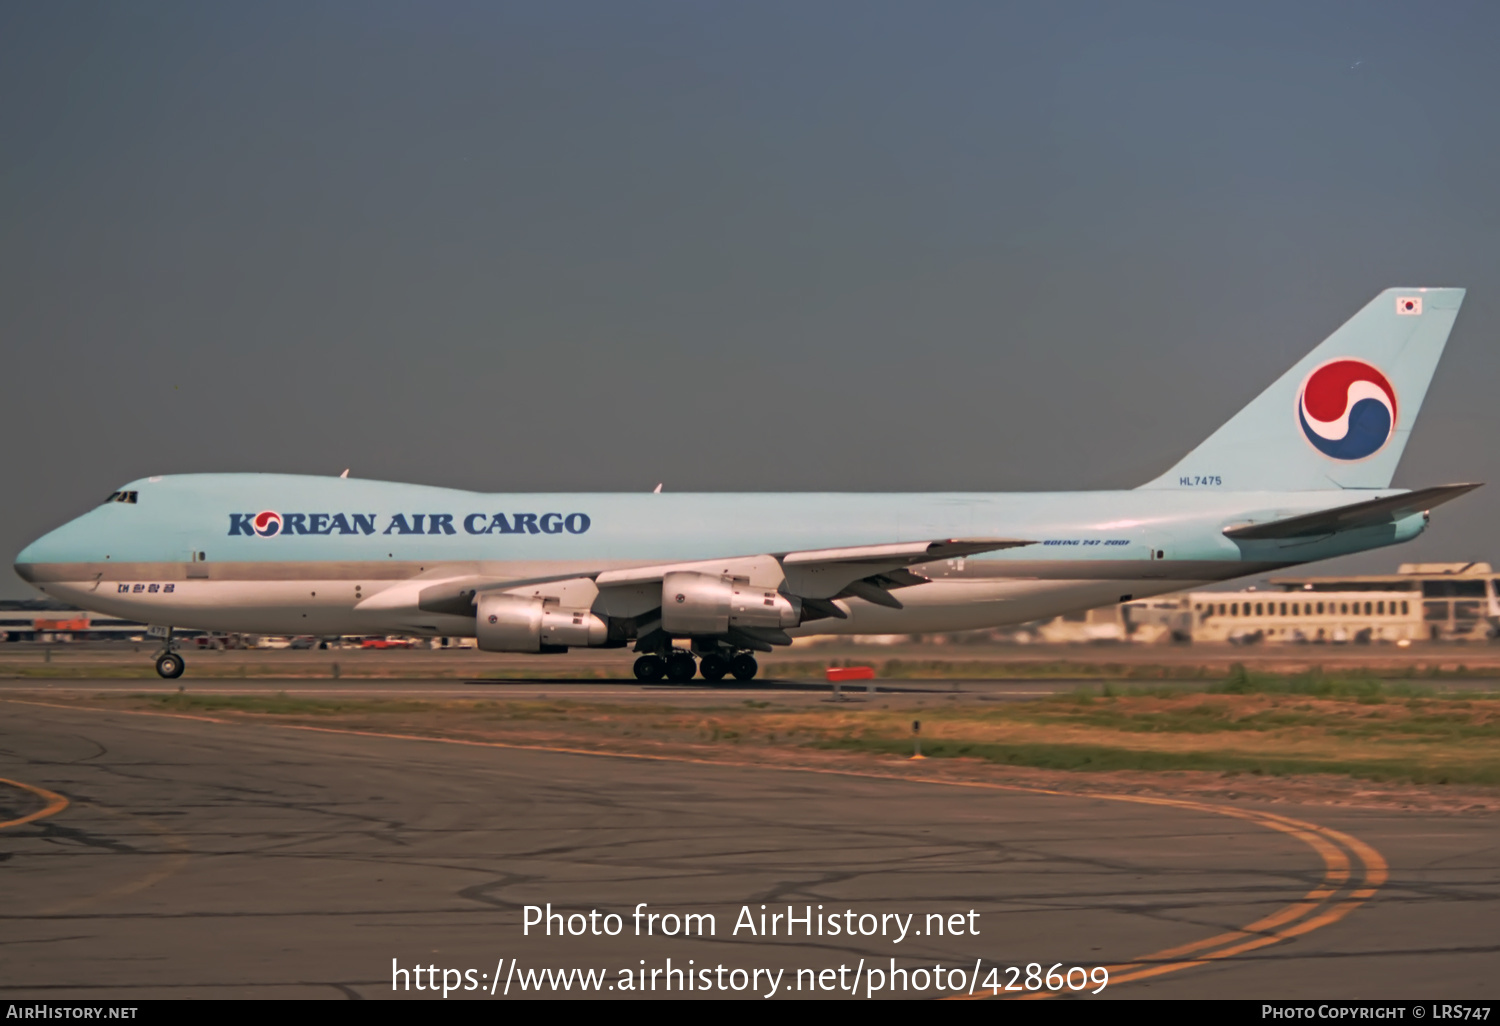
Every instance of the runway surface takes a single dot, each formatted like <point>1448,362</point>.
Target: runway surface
<point>197,859</point>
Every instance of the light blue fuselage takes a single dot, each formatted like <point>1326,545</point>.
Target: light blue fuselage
<point>342,541</point>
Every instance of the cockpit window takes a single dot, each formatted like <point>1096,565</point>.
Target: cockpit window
<point>122,497</point>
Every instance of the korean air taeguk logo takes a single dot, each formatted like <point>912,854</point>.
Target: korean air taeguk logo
<point>266,524</point>
<point>1347,409</point>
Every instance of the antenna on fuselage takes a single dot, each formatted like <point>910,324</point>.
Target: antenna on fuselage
<point>345,473</point>
<point>657,489</point>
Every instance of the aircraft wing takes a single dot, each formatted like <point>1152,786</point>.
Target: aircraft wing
<point>818,575</point>
<point>815,577</point>
<point>897,554</point>
<point>1372,513</point>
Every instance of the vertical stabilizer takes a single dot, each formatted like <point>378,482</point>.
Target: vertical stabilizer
<point>1340,418</point>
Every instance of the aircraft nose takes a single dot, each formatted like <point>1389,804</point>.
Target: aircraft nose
<point>51,547</point>
<point>26,562</point>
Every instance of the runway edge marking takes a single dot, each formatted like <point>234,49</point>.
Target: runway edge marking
<point>1333,846</point>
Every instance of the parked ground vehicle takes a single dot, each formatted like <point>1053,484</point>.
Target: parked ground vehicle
<point>389,642</point>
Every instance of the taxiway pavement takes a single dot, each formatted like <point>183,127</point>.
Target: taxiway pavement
<point>200,859</point>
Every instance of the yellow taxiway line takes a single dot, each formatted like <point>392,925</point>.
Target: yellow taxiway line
<point>55,803</point>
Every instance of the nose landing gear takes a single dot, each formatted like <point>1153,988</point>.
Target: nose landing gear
<point>169,663</point>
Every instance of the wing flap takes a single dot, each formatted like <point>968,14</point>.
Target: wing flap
<point>868,571</point>
<point>1371,513</point>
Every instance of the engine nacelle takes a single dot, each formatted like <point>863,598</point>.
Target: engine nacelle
<point>697,604</point>
<point>517,623</point>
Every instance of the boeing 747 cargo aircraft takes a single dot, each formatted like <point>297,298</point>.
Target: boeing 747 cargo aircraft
<point>699,583</point>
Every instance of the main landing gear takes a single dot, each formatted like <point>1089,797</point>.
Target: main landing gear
<point>679,667</point>
<point>650,668</point>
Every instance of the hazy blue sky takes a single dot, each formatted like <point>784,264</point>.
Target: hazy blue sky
<point>826,245</point>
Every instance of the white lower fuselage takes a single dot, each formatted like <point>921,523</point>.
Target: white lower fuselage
<point>961,601</point>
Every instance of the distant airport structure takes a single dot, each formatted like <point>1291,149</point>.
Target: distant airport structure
<point>44,620</point>
<point>1420,602</point>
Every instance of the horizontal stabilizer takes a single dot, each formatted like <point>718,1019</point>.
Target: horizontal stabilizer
<point>1346,518</point>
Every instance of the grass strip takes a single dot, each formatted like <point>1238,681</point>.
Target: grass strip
<point>1105,758</point>
<point>1246,723</point>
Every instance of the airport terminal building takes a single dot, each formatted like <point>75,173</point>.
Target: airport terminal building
<point>1420,602</point>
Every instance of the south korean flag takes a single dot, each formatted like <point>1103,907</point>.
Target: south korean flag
<point>1409,306</point>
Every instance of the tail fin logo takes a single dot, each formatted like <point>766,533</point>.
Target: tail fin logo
<point>267,524</point>
<point>1347,409</point>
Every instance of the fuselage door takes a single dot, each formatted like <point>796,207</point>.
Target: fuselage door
<point>197,567</point>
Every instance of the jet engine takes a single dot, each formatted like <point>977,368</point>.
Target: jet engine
<point>699,604</point>
<point>517,623</point>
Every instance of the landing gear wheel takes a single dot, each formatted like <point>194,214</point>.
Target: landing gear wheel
<point>681,668</point>
<point>169,665</point>
<point>650,668</point>
<point>744,666</point>
<point>713,667</point>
